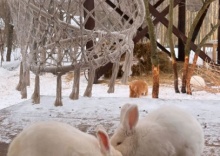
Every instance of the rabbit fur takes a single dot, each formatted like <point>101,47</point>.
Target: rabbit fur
<point>52,138</point>
<point>167,131</point>
<point>138,88</point>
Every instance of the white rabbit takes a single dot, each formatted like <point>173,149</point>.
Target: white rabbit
<point>167,131</point>
<point>59,139</point>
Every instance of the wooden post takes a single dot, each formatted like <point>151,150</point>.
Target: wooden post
<point>182,28</point>
<point>214,53</point>
<point>90,23</point>
<point>9,42</point>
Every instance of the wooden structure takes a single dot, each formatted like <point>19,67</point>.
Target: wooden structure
<point>61,36</point>
<point>213,45</point>
<point>179,31</point>
<point>75,35</point>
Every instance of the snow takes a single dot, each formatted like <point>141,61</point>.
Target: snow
<point>102,108</point>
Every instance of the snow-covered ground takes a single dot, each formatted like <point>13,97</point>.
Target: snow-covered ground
<point>101,108</point>
<point>10,76</point>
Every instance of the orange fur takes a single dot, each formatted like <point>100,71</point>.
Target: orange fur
<point>138,88</point>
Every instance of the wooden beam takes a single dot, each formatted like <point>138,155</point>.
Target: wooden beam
<point>118,10</point>
<point>178,33</point>
<point>158,3</point>
<point>144,31</point>
<point>124,16</point>
<point>90,23</point>
<point>182,28</point>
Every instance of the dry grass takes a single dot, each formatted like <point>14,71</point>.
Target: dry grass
<point>165,79</point>
<point>68,77</point>
<point>211,75</point>
<point>142,60</point>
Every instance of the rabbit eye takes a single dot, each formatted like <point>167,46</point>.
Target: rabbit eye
<point>119,143</point>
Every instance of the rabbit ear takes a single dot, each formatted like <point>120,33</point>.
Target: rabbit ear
<point>129,117</point>
<point>124,109</point>
<point>103,140</point>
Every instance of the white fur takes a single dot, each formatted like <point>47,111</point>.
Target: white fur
<point>60,139</point>
<point>197,81</point>
<point>167,131</point>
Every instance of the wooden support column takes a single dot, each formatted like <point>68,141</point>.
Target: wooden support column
<point>182,28</point>
<point>90,23</point>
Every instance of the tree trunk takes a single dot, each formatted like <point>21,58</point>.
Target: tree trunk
<point>20,77</point>
<point>58,101</point>
<point>88,92</point>
<point>188,41</point>
<point>36,95</point>
<point>175,76</point>
<point>76,82</point>
<point>24,84</point>
<point>6,16</point>
<point>173,56</point>
<point>191,71</point>
<point>9,42</point>
<point>185,72</point>
<point>1,46</point>
<point>154,53</point>
<point>155,90</point>
<point>127,67</point>
<point>113,77</point>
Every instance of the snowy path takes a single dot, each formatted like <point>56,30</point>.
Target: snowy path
<point>86,113</point>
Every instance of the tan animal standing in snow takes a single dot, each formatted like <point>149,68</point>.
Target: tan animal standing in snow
<point>138,88</point>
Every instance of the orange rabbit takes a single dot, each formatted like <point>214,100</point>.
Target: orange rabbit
<point>138,88</point>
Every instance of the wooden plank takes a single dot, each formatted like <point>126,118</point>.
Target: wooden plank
<point>158,3</point>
